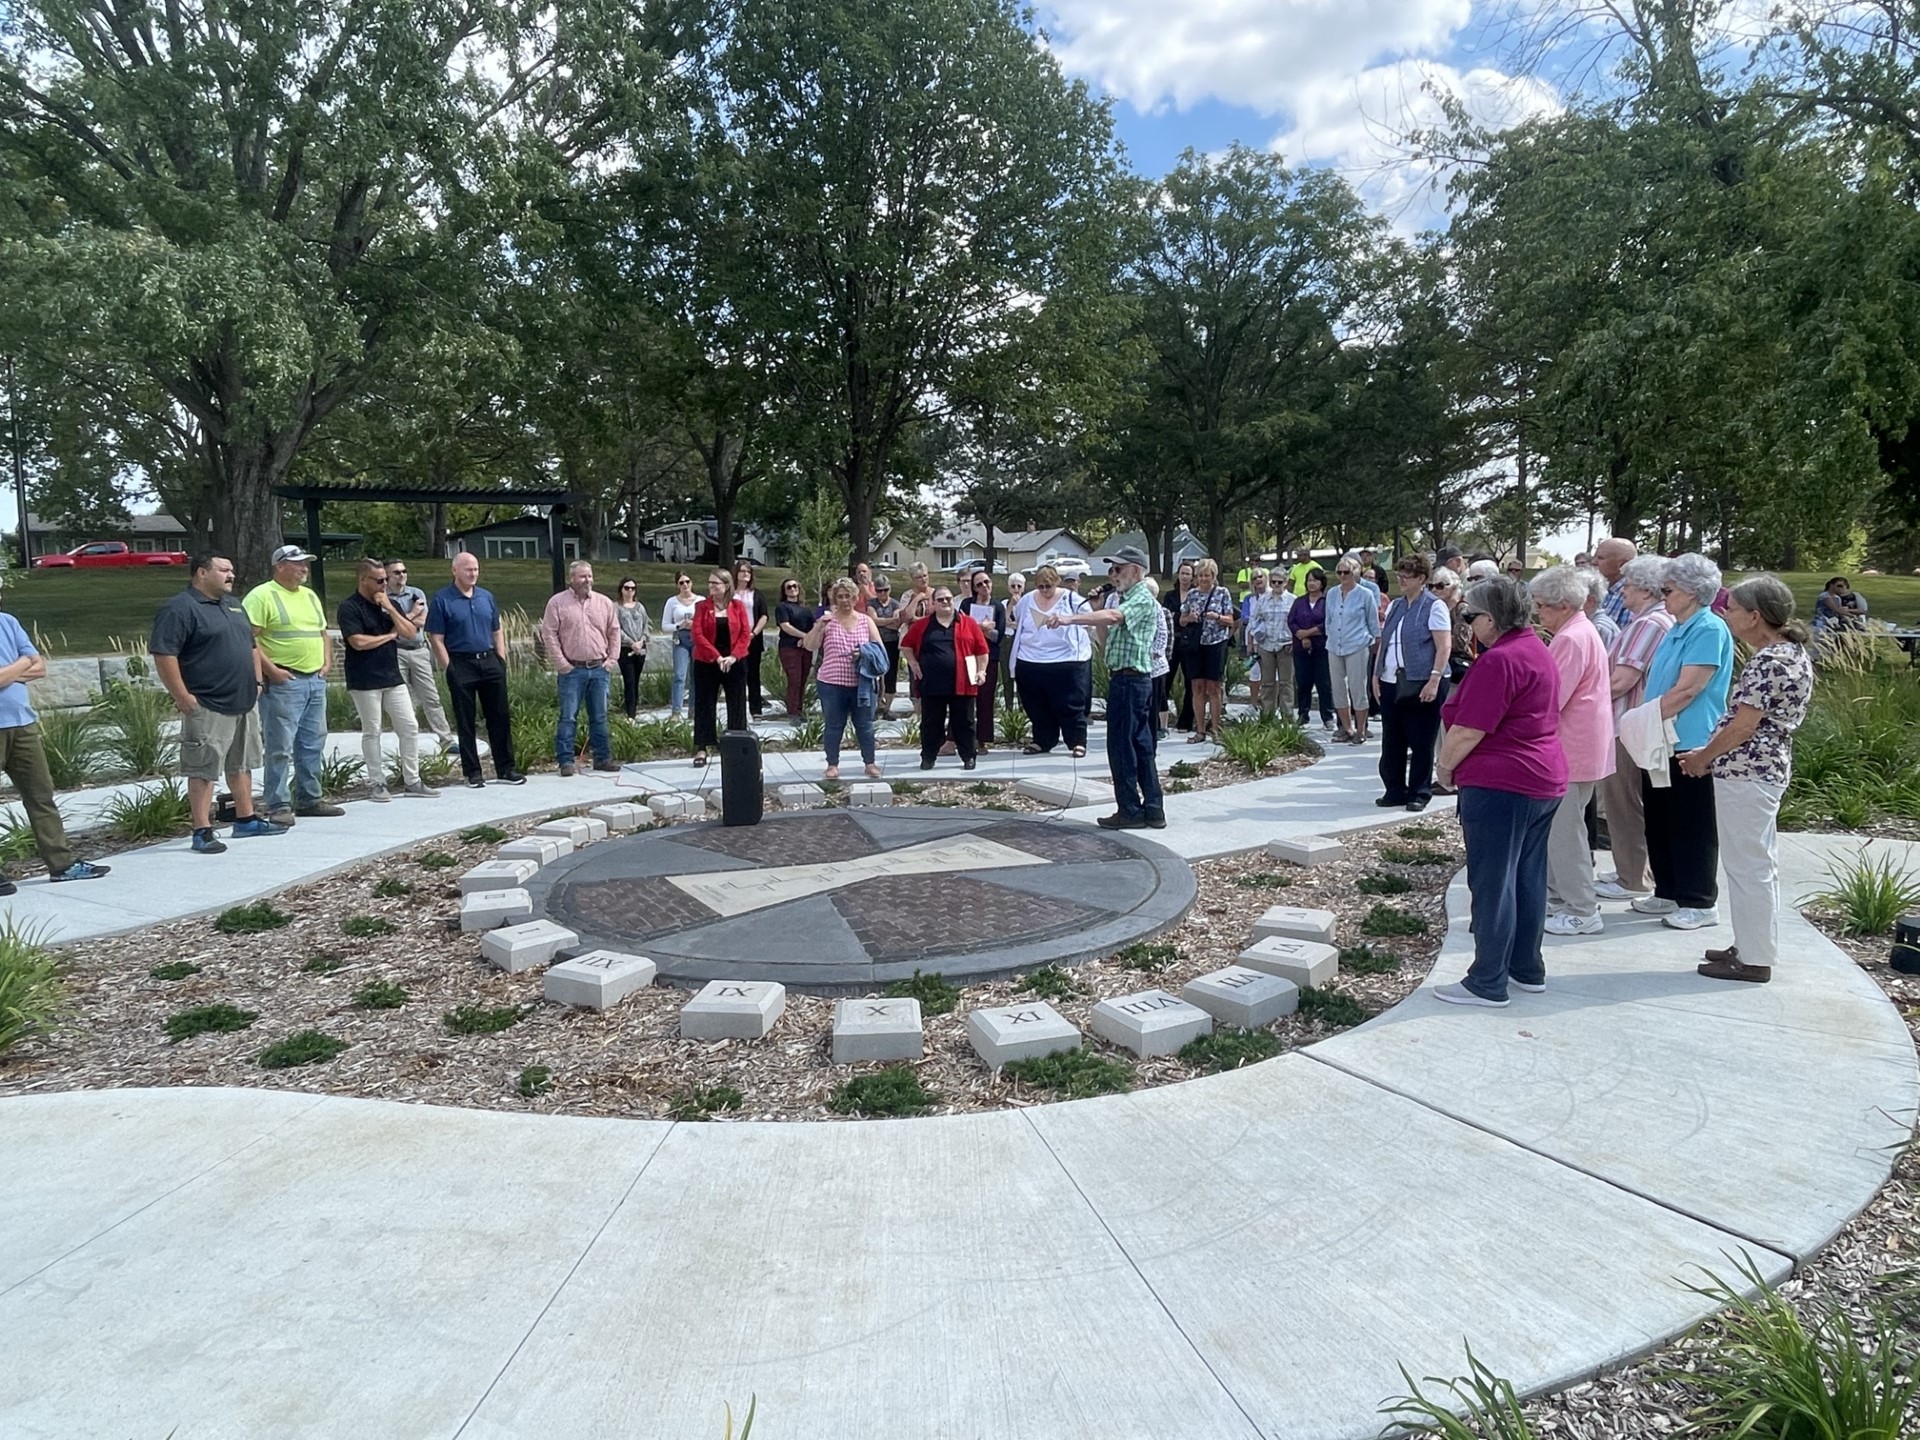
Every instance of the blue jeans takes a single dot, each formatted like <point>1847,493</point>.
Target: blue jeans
<point>682,658</point>
<point>1507,873</point>
<point>1130,744</point>
<point>293,727</point>
<point>589,683</point>
<point>838,704</point>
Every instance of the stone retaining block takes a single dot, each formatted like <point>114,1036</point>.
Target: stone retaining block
<point>1306,963</point>
<point>676,805</point>
<point>620,818</point>
<point>733,1010</point>
<point>489,909</point>
<point>1290,922</point>
<point>599,979</point>
<point>1308,850</point>
<point>1242,996</point>
<point>877,1030</point>
<point>1067,794</point>
<point>1006,1033</point>
<point>1150,1022</point>
<point>578,830</point>
<point>521,947</point>
<point>870,792</point>
<point>544,848</point>
<point>498,875</point>
<point>800,797</point>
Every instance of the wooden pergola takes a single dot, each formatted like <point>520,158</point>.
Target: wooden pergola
<point>556,503</point>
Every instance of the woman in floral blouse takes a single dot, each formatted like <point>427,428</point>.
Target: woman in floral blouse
<point>1751,760</point>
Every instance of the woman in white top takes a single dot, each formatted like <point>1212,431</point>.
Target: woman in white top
<point>676,618</point>
<point>761,615</point>
<point>1052,668</point>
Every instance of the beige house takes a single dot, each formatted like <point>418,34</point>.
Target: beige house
<point>1012,549</point>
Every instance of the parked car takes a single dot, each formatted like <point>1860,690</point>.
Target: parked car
<point>104,554</point>
<point>966,566</point>
<point>1069,567</point>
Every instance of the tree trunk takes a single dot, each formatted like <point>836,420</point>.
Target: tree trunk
<point>989,528</point>
<point>246,512</point>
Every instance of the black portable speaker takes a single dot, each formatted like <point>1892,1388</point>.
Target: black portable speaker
<point>742,796</point>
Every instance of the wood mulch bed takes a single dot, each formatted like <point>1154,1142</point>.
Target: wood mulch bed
<point>629,1061</point>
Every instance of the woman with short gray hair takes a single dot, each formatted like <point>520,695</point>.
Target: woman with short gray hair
<point>1502,753</point>
<point>1620,796</point>
<point>1688,677</point>
<point>1596,604</point>
<point>1750,758</point>
<point>1560,596</point>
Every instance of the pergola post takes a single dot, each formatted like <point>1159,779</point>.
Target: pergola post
<point>318,573</point>
<point>556,525</point>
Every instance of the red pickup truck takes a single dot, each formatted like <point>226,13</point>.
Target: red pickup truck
<point>107,553</point>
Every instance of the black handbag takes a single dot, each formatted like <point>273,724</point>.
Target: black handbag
<point>1405,689</point>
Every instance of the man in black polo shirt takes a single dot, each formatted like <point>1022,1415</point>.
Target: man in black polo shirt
<point>370,627</point>
<point>203,652</point>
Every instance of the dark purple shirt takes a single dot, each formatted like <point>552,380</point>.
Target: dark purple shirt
<point>1308,615</point>
<point>1512,693</point>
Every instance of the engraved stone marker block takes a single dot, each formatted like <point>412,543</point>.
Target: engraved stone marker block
<point>544,848</point>
<point>674,805</point>
<point>620,818</point>
<point>599,979</point>
<point>521,947</point>
<point>733,1010</point>
<point>486,909</point>
<point>801,797</point>
<point>1241,996</point>
<point>1308,850</point>
<point>871,792</point>
<point>1068,793</point>
<point>1290,922</point>
<point>1304,962</point>
<point>1019,1032</point>
<point>498,875</point>
<point>1149,1023</point>
<point>576,828</point>
<point>877,1030</point>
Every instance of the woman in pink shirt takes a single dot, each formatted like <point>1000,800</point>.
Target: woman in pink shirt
<point>1502,752</point>
<point>1586,739</point>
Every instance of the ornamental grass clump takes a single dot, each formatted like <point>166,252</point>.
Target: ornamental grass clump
<point>1871,894</point>
<point>1483,1406</point>
<point>1256,744</point>
<point>151,814</point>
<point>32,995</point>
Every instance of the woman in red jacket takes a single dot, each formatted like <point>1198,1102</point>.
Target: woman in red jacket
<point>722,630</point>
<point>947,654</point>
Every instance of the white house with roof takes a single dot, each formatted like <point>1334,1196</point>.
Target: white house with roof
<point>697,542</point>
<point>1016,549</point>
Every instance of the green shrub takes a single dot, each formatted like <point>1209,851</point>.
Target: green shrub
<point>535,1080</point>
<point>1144,956</point>
<point>133,727</point>
<point>1871,894</point>
<point>1183,770</point>
<point>1073,1073</point>
<point>1856,756</point>
<point>1365,960</point>
<point>435,860</point>
<point>1051,982</point>
<point>1483,1407</point>
<point>703,1102</point>
<point>151,814</point>
<point>1386,920</point>
<point>478,1020</point>
<point>895,1090</point>
<point>1256,744</point>
<point>221,1019</point>
<point>251,919</point>
<point>392,889</point>
<point>72,741</point>
<point>32,994</point>
<point>1331,1008</point>
<point>935,995</point>
<point>482,835</point>
<point>1383,885</point>
<point>341,714</point>
<point>1230,1049</point>
<point>176,970</point>
<point>303,1047</point>
<point>1770,1373</point>
<point>379,995</point>
<point>366,927</point>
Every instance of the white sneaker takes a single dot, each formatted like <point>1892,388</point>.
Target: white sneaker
<point>1539,989</point>
<point>1574,925</point>
<point>1686,919</point>
<point>379,795</point>
<point>1614,890</point>
<point>1460,995</point>
<point>1654,905</point>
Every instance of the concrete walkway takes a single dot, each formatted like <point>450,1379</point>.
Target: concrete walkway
<point>1249,1255</point>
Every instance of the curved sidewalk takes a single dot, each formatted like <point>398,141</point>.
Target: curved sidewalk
<point>1249,1255</point>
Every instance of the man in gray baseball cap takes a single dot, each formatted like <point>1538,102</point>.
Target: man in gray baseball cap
<point>1131,621</point>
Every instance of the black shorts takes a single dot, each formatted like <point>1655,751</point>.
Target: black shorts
<point>1207,662</point>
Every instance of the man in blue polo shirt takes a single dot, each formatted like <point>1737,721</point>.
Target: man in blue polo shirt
<point>23,755</point>
<point>463,626</point>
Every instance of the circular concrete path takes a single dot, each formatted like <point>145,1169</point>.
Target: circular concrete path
<point>1250,1255</point>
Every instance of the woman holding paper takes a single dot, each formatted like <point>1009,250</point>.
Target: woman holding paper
<point>991,616</point>
<point>946,654</point>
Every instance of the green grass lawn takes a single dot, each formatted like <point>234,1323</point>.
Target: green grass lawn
<point>84,612</point>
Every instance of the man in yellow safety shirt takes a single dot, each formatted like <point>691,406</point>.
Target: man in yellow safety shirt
<point>290,631</point>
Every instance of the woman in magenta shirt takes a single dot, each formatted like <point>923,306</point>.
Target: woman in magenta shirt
<point>1502,753</point>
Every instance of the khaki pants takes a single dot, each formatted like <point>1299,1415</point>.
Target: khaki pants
<point>23,755</point>
<point>1569,861</point>
<point>1626,816</point>
<point>399,707</point>
<point>1276,680</point>
<point>416,670</point>
<point>1744,811</point>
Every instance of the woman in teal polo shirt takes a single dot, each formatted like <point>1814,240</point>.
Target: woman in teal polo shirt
<point>1689,675</point>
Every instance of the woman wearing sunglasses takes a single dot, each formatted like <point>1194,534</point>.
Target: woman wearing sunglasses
<point>635,631</point>
<point>794,617</point>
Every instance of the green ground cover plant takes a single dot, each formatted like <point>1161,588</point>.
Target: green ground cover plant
<point>479,1020</point>
<point>1265,880</point>
<point>1230,1049</point>
<point>1418,855</point>
<point>303,1047</point>
<point>1388,920</point>
<point>366,927</point>
<point>703,1102</point>
<point>1075,1074</point>
<point>1383,885</point>
<point>435,860</point>
<point>322,965</point>
<point>1365,960</point>
<point>251,919</point>
<point>379,995</point>
<point>482,835</point>
<point>935,995</point>
<point>896,1090</point>
<point>392,889</point>
<point>1419,832</point>
<point>1145,955</point>
<point>1333,1008</point>
<point>535,1080</point>
<point>32,995</point>
<point>1052,983</point>
<point>220,1019</point>
<point>1183,770</point>
<point>174,970</point>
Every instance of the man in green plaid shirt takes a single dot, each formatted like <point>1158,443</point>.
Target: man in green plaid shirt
<point>1129,622</point>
